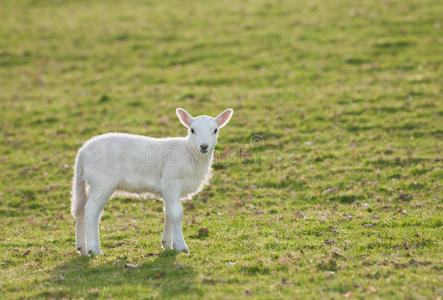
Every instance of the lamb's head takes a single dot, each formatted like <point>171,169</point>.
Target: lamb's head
<point>203,130</point>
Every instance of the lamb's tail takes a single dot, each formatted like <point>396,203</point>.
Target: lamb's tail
<point>78,194</point>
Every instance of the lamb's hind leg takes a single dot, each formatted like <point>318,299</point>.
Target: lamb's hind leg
<point>98,196</point>
<point>78,202</point>
<point>80,234</point>
<point>79,214</point>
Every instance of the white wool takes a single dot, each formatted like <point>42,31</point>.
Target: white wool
<point>171,168</point>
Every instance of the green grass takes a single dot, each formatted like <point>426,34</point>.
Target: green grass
<point>337,125</point>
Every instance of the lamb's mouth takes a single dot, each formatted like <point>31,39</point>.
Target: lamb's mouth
<point>204,151</point>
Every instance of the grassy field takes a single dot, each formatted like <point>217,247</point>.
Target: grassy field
<point>328,179</point>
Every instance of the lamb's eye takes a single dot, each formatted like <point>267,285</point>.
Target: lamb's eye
<point>192,130</point>
<point>215,130</point>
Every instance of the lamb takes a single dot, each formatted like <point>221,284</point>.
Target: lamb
<point>172,168</point>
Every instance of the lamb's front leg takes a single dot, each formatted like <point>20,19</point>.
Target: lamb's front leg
<point>178,241</point>
<point>174,213</point>
<point>167,233</point>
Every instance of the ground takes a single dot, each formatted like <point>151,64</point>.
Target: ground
<point>327,181</point>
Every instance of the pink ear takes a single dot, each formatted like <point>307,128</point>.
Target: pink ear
<point>184,116</point>
<point>223,118</point>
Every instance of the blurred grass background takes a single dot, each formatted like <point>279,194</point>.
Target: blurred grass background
<point>351,91</point>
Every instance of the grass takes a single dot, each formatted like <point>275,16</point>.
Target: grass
<point>328,179</point>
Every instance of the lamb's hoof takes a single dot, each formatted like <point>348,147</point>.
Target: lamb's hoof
<point>94,252</point>
<point>166,246</point>
<point>82,250</point>
<point>182,248</point>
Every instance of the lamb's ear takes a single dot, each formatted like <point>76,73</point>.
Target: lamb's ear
<point>184,117</point>
<point>223,118</point>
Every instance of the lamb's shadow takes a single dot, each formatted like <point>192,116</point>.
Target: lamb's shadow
<point>158,276</point>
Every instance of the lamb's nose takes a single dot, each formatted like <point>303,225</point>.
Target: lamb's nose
<point>204,147</point>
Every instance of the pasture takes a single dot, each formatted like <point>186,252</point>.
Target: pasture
<point>327,182</point>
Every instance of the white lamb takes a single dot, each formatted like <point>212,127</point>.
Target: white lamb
<point>173,168</point>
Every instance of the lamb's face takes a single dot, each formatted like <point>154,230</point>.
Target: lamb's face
<point>203,133</point>
<point>203,130</point>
